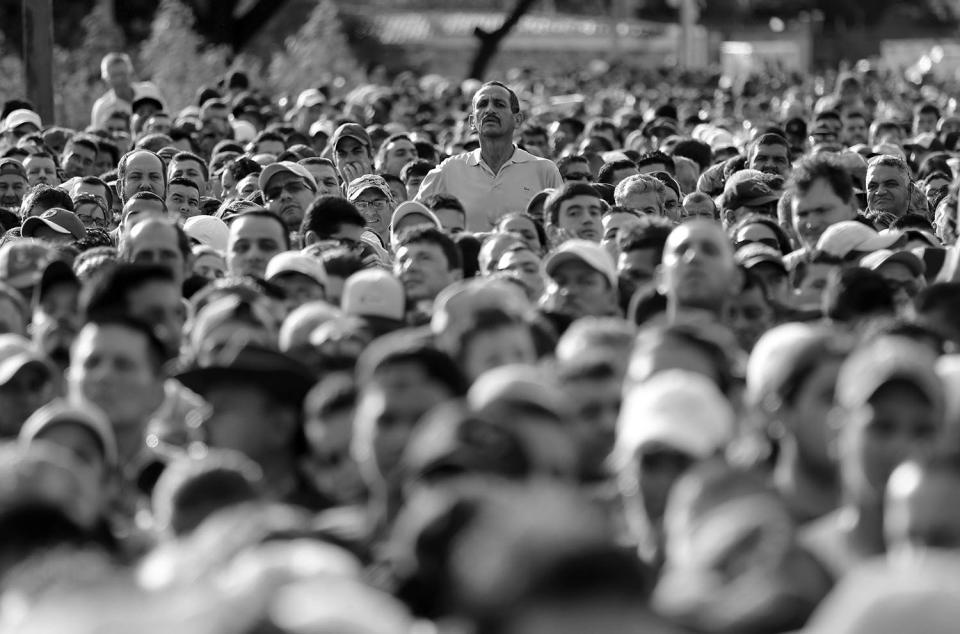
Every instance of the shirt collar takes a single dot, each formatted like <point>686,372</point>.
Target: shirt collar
<point>518,156</point>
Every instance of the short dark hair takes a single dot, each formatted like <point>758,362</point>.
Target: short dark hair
<point>402,349</point>
<point>605,175</point>
<point>783,241</point>
<point>109,295</point>
<point>514,100</point>
<point>46,197</point>
<point>155,349</point>
<point>185,182</point>
<point>260,212</point>
<point>694,150</point>
<point>317,160</point>
<point>95,180</point>
<point>190,156</point>
<point>416,167</point>
<point>657,157</point>
<point>563,194</point>
<point>822,167</point>
<point>341,262</point>
<point>649,235</point>
<point>153,142</point>
<point>325,215</point>
<point>943,296</point>
<point>855,293</point>
<point>771,138</point>
<point>443,201</point>
<point>432,235</point>
<point>86,140</point>
<point>242,166</point>
<point>565,161</point>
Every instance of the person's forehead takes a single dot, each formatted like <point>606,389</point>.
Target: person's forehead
<point>256,226</point>
<point>696,232</point>
<point>90,209</point>
<point>771,148</point>
<point>151,232</point>
<point>322,168</point>
<point>573,267</point>
<point>583,200</point>
<point>143,160</point>
<point>349,144</point>
<point>754,229</point>
<point>38,159</point>
<point>634,195</point>
<point>415,217</point>
<point>418,247</point>
<point>210,259</point>
<point>90,188</point>
<point>398,144</point>
<point>115,338</point>
<point>492,92</point>
<point>519,256</point>
<point>12,179</point>
<point>882,172</point>
<point>190,192</point>
<point>619,220</point>
<point>185,164</point>
<point>518,223</point>
<point>143,204</point>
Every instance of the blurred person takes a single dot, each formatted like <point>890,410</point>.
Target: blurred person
<point>79,156</point>
<point>13,183</point>
<point>41,167</point>
<point>666,425</point>
<point>889,408</point>
<point>641,252</point>
<point>519,261</point>
<point>394,154</point>
<point>526,229</point>
<point>583,281</point>
<point>183,198</point>
<point>616,222</point>
<point>770,154</point>
<point>751,312</point>
<point>412,175</point>
<point>29,380</point>
<point>192,167</point>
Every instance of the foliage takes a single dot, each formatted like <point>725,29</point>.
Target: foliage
<point>176,58</point>
<point>318,53</point>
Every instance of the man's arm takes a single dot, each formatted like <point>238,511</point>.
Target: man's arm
<point>552,177</point>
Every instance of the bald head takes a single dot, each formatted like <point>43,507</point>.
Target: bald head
<point>698,270</point>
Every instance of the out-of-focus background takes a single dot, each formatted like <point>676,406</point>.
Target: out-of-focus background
<point>287,45</point>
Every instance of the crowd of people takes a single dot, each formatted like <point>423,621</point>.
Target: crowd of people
<point>481,358</point>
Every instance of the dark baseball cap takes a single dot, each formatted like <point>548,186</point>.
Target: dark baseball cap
<point>351,131</point>
<point>750,188</point>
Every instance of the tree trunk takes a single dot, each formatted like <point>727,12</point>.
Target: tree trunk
<point>489,41</point>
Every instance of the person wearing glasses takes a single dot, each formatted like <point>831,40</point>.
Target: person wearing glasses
<point>288,189</point>
<point>372,197</point>
<point>575,168</point>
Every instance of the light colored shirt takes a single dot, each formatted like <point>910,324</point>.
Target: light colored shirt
<point>109,103</point>
<point>486,196</point>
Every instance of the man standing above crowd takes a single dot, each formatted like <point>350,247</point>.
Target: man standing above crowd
<point>116,69</point>
<point>497,178</point>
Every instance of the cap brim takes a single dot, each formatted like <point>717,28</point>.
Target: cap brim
<point>32,224</point>
<point>284,384</point>
<point>561,257</point>
<point>749,263</point>
<point>763,200</point>
<point>11,365</point>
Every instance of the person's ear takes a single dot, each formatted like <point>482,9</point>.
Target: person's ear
<point>310,237</point>
<point>518,118</point>
<point>728,217</point>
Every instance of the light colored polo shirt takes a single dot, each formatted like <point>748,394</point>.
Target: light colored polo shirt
<point>486,196</point>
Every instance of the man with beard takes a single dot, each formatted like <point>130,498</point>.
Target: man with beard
<point>497,178</point>
<point>771,155</point>
<point>698,272</point>
<point>288,189</point>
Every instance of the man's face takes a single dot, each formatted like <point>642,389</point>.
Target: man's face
<point>78,160</point>
<point>749,315</point>
<point>352,159</point>
<point>492,116</point>
<point>288,196</point>
<point>183,201</point>
<point>620,174</point>
<point>211,267</point>
<point>615,225</point>
<point>453,221</point>
<point>578,290</point>
<point>899,422</point>
<point>110,366</point>
<point>12,189</point>
<point>327,182</point>
<point>598,405</point>
<point>646,203</point>
<point>413,186</point>
<point>771,159</point>
<point>157,124</point>
<point>577,171</point>
<point>524,265</point>
<point>41,169</point>
<point>376,210</point>
<point>580,218</point>
<point>190,170</point>
<point>638,267</point>
<point>698,209</point>
<point>270,146</point>
<point>144,173</point>
<point>816,209</point>
<point>247,186</point>
<point>253,241</point>
<point>155,242</point>
<point>159,305</point>
<point>388,411</point>
<point>905,285</point>
<point>855,131</point>
<point>215,127</point>
<point>298,288</point>
<point>119,74</point>
<point>424,270</point>
<point>925,122</point>
<point>887,190</point>
<point>397,154</point>
<point>237,419</point>
<point>698,269</point>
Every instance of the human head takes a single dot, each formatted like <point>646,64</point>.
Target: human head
<point>583,280</point>
<point>888,185</point>
<point>495,111</point>
<point>352,151</point>
<point>574,211</point>
<point>288,189</point>
<point>698,270</point>
<point>427,261</point>
<point>183,197</point>
<point>13,183</point>
<point>255,237</point>
<point>189,165</point>
<point>821,194</point>
<point>642,193</point>
<point>140,170</point>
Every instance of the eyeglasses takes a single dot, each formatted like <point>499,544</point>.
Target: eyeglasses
<point>380,203</point>
<point>291,187</point>
<point>578,176</point>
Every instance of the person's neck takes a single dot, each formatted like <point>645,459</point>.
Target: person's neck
<point>130,442</point>
<point>496,152</point>
<point>815,487</point>
<point>677,313</point>
<point>862,525</point>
